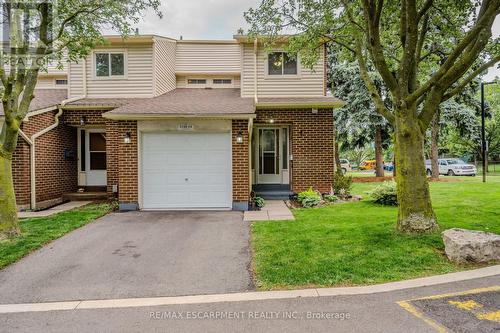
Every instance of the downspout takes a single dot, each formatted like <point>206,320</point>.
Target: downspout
<point>31,142</point>
<point>255,84</point>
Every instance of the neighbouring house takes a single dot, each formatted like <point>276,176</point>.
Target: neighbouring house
<point>177,124</point>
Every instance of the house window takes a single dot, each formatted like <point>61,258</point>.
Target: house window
<point>197,81</point>
<point>61,82</point>
<point>281,63</point>
<point>110,64</point>
<point>222,81</point>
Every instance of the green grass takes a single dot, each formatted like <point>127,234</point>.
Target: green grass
<point>356,243</point>
<point>35,233</point>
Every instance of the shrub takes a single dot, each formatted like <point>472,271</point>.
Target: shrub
<point>331,198</point>
<point>342,184</point>
<point>386,194</point>
<point>259,202</point>
<point>309,198</point>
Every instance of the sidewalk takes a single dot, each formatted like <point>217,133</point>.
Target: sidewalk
<point>274,210</point>
<point>491,271</point>
<point>54,210</point>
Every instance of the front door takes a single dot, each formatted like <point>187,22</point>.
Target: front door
<point>272,155</point>
<point>95,157</point>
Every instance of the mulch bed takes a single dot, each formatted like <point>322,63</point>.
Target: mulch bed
<point>371,179</point>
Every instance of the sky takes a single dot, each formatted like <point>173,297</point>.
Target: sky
<point>217,19</point>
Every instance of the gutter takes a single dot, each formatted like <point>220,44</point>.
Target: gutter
<point>160,116</point>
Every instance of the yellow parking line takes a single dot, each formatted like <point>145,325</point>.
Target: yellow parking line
<point>411,309</point>
<point>492,316</point>
<point>467,305</point>
<point>462,293</point>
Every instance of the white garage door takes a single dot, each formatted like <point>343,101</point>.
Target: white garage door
<point>186,170</point>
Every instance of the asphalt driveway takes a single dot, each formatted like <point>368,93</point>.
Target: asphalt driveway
<point>140,254</point>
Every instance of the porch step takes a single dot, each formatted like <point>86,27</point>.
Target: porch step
<point>274,195</point>
<point>271,187</point>
<point>272,191</point>
<point>85,196</point>
<point>95,188</point>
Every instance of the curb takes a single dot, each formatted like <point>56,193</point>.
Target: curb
<point>249,296</point>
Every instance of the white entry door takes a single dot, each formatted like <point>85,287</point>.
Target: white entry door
<point>186,170</point>
<point>95,157</point>
<point>272,155</point>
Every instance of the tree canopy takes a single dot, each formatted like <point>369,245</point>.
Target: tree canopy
<point>425,51</point>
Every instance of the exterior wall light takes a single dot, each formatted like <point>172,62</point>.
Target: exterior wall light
<point>126,138</point>
<point>239,137</point>
<point>83,120</point>
<point>271,121</point>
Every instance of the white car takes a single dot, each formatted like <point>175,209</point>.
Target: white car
<point>452,167</point>
<point>345,165</point>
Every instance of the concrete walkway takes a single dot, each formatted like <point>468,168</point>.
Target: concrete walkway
<point>54,210</point>
<point>274,210</point>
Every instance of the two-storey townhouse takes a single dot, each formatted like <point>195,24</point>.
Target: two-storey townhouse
<point>176,124</point>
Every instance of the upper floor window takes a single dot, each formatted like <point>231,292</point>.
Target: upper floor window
<point>222,81</point>
<point>61,82</point>
<point>197,81</point>
<point>281,63</point>
<point>109,64</point>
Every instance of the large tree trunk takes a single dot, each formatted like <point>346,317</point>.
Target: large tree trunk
<point>415,214</point>
<point>435,147</point>
<point>8,212</point>
<point>379,159</point>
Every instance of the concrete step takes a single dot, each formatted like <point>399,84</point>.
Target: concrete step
<point>274,195</point>
<point>85,196</point>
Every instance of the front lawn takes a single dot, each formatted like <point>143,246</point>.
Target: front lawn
<point>37,232</point>
<point>356,243</point>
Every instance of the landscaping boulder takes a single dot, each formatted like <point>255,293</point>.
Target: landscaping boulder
<point>464,246</point>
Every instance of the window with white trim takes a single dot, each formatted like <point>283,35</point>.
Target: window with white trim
<point>222,81</point>
<point>109,64</point>
<point>61,82</point>
<point>197,81</point>
<point>281,63</point>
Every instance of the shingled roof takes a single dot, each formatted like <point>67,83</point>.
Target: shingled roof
<point>45,98</point>
<point>189,101</point>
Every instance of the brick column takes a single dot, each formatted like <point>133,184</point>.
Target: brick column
<point>128,168</point>
<point>112,153</point>
<point>241,177</point>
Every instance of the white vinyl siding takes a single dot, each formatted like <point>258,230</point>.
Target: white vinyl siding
<point>76,79</point>
<point>164,66</point>
<point>307,83</point>
<point>49,82</point>
<point>208,58</point>
<point>137,83</point>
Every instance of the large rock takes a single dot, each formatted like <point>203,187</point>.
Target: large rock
<point>463,246</point>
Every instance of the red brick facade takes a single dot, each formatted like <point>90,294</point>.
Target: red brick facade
<point>55,173</point>
<point>21,173</point>
<point>311,142</point>
<point>128,164</point>
<point>241,172</point>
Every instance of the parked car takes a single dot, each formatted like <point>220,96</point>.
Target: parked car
<point>452,167</point>
<point>367,165</point>
<point>389,166</point>
<point>345,165</point>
